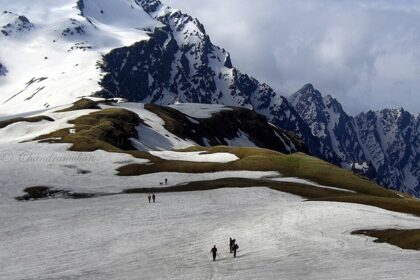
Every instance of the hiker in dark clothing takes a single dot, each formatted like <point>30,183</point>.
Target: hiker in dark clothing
<point>154,198</point>
<point>214,252</point>
<point>234,248</point>
<point>166,181</point>
<point>149,197</point>
<point>230,244</point>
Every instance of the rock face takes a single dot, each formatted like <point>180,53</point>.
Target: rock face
<point>387,141</point>
<point>328,122</point>
<point>179,62</point>
<point>391,140</point>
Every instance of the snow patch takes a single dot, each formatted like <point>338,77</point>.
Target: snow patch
<point>200,111</point>
<point>195,156</point>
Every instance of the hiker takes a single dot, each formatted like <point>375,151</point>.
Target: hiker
<point>149,197</point>
<point>214,252</point>
<point>166,181</point>
<point>154,198</point>
<point>230,244</point>
<point>234,248</point>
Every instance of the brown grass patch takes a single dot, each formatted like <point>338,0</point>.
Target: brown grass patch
<point>403,238</point>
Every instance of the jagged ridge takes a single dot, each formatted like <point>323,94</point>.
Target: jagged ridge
<point>388,140</point>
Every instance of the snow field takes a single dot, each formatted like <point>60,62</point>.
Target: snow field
<point>124,237</point>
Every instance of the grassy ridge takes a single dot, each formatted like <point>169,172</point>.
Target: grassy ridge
<point>81,104</point>
<point>256,159</point>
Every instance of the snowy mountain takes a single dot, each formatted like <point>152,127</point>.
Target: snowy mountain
<point>179,62</point>
<point>387,139</point>
<point>140,50</point>
<point>147,52</point>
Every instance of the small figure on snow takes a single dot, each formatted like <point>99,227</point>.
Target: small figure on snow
<point>234,248</point>
<point>214,252</point>
<point>149,197</point>
<point>166,181</point>
<point>154,198</point>
<point>230,244</point>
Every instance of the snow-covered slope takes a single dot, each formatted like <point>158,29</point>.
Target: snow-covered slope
<point>51,48</point>
<point>280,236</point>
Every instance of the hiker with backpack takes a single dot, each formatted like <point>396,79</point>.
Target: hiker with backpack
<point>234,248</point>
<point>214,252</point>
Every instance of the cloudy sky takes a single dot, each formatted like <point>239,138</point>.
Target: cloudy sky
<point>364,53</point>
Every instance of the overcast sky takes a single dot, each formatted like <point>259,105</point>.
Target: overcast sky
<point>364,53</point>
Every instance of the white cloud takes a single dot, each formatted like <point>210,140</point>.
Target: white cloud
<point>364,53</point>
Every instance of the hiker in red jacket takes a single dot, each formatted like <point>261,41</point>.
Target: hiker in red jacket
<point>214,252</point>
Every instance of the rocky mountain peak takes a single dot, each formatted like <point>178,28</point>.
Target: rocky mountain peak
<point>307,89</point>
<point>16,23</point>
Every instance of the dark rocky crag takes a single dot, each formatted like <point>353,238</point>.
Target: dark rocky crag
<point>388,141</point>
<point>228,125</point>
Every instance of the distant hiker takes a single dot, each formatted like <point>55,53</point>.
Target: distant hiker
<point>149,197</point>
<point>230,244</point>
<point>234,248</point>
<point>154,198</point>
<point>166,181</point>
<point>214,252</point>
